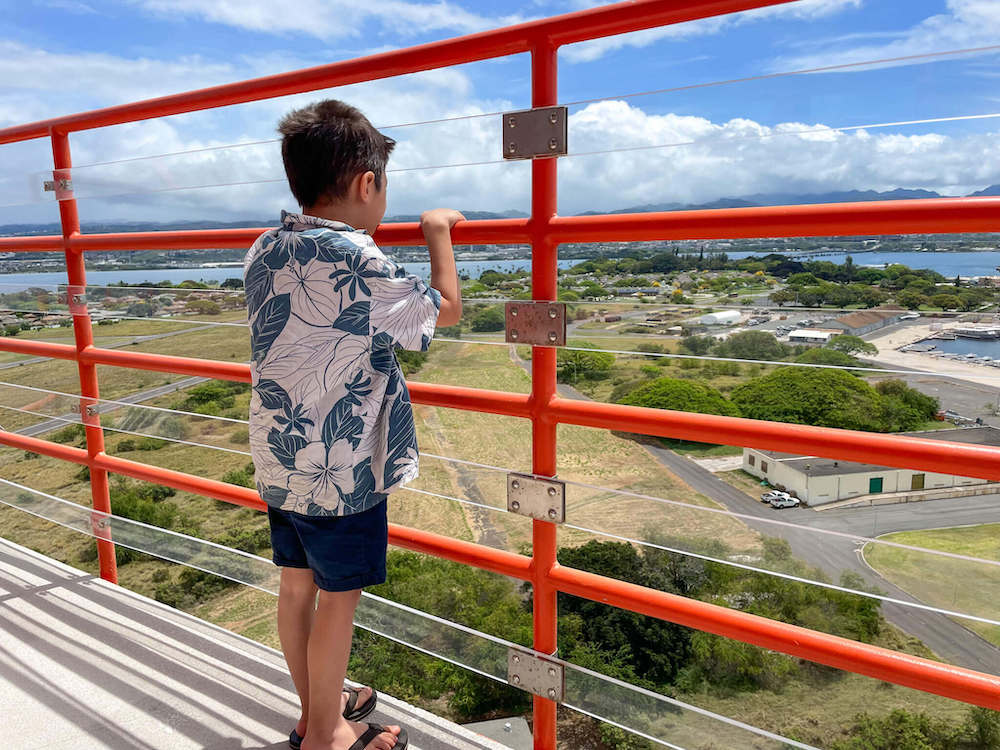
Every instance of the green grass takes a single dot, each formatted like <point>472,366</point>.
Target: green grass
<point>959,585</point>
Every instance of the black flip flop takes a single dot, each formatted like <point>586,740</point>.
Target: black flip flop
<point>354,695</point>
<point>351,713</point>
<point>373,731</point>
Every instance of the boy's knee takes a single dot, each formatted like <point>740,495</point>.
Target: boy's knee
<point>339,598</point>
<point>297,583</point>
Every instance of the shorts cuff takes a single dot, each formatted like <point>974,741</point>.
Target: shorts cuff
<point>352,583</point>
<point>282,563</point>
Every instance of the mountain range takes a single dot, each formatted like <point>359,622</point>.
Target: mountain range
<point>749,201</point>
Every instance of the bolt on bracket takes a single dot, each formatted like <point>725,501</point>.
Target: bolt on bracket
<point>61,184</point>
<point>88,411</point>
<point>536,323</point>
<point>535,674</point>
<point>535,133</point>
<point>544,499</point>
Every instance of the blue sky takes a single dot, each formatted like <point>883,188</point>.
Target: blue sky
<point>63,56</point>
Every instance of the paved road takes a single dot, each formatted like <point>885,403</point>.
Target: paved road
<point>104,408</point>
<point>943,635</point>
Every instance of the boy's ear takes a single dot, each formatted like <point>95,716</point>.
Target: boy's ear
<point>367,186</point>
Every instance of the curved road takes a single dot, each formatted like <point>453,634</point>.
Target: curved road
<point>946,637</point>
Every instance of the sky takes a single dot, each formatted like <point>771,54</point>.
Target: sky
<point>812,132</point>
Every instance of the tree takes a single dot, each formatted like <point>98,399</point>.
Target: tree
<point>681,395</point>
<point>232,283</point>
<point>752,345</point>
<point>851,345</point>
<point>203,307</point>
<point>782,296</point>
<point>901,729</point>
<point>822,397</point>
<point>911,300</point>
<point>140,310</point>
<point>946,301</point>
<point>574,366</point>
<point>819,355</point>
<point>697,345</point>
<point>488,319</point>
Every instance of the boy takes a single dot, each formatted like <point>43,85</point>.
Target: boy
<point>331,427</point>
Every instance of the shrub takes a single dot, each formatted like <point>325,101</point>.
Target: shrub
<point>242,477</point>
<point>73,433</point>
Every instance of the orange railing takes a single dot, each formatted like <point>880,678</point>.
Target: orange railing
<point>544,231</point>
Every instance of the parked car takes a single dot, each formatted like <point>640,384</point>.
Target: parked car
<point>769,497</point>
<point>785,502</point>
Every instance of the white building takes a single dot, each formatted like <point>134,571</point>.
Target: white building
<point>721,318</point>
<point>818,481</point>
<point>811,336</point>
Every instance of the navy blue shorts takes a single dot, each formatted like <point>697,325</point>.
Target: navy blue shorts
<point>344,552</point>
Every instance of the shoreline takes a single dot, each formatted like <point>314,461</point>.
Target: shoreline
<point>887,345</point>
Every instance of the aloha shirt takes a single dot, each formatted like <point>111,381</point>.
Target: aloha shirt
<point>331,425</point>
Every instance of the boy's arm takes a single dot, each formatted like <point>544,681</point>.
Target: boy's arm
<point>436,225</point>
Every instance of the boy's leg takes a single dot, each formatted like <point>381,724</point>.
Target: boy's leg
<point>328,652</point>
<point>296,608</point>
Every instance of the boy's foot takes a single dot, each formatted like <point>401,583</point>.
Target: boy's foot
<point>348,734</point>
<point>364,695</point>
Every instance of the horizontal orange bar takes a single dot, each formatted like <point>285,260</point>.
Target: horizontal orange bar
<point>467,553</point>
<point>37,348</point>
<point>45,447</point>
<point>935,215</point>
<point>565,29</point>
<point>470,399</point>
<point>229,493</point>
<point>892,666</point>
<point>208,368</point>
<point>942,456</point>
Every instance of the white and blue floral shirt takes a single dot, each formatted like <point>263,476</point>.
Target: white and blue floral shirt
<point>331,426</point>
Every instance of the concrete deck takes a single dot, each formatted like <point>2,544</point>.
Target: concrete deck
<point>86,664</point>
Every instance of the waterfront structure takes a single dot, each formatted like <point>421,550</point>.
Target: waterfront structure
<point>820,481</point>
<point>866,321</point>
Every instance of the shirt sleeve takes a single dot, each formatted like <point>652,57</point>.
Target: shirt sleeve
<point>403,307</point>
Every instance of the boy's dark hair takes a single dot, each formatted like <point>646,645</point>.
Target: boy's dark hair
<point>325,146</point>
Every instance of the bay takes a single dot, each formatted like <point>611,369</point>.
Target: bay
<point>949,264</point>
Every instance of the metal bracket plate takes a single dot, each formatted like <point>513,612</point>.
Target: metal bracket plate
<point>535,674</point>
<point>88,411</point>
<point>76,299</point>
<point>534,133</point>
<point>538,323</point>
<point>544,499</point>
<point>61,184</point>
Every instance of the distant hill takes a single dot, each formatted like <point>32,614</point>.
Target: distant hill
<point>749,201</point>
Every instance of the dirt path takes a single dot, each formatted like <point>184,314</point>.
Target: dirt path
<point>480,523</point>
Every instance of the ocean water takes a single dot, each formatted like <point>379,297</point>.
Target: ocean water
<point>947,264</point>
<point>14,282</point>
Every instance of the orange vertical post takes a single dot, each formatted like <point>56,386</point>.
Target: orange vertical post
<point>543,387</point>
<point>84,336</point>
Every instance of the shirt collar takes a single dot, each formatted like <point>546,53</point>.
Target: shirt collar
<point>300,222</point>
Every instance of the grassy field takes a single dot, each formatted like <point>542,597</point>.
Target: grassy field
<point>941,581</point>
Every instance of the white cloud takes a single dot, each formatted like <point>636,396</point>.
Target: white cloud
<point>72,79</point>
<point>803,10</point>
<point>329,19</point>
<point>966,24</point>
